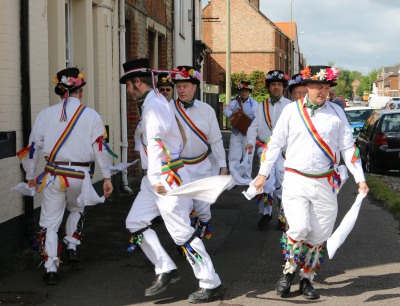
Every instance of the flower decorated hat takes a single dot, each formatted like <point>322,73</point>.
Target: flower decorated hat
<point>320,74</point>
<point>67,80</point>
<point>295,81</point>
<point>276,76</point>
<point>164,79</point>
<point>186,74</point>
<point>135,68</point>
<point>243,85</point>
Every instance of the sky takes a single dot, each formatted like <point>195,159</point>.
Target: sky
<point>360,35</point>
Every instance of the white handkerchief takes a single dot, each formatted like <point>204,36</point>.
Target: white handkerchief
<point>123,166</point>
<point>238,173</point>
<point>251,192</point>
<point>24,189</point>
<point>345,227</point>
<point>207,189</point>
<point>89,196</point>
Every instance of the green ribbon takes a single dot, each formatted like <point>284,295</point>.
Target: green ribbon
<point>186,105</point>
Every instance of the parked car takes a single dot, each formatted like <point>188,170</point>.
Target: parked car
<point>379,141</point>
<point>357,116</point>
<point>392,105</point>
<point>357,101</point>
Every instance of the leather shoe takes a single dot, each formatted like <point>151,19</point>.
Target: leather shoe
<point>263,222</point>
<point>284,283</point>
<point>203,295</point>
<point>72,257</point>
<point>308,290</point>
<point>162,281</point>
<point>50,278</point>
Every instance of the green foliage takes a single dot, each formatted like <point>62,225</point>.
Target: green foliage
<point>256,78</point>
<point>381,191</point>
<point>347,77</point>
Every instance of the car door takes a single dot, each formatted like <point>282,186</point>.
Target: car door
<point>364,138</point>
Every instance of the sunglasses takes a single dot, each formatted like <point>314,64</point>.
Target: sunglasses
<point>164,89</point>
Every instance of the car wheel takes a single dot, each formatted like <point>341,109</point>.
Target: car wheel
<point>369,165</point>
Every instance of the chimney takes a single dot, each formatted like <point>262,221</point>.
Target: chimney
<point>255,3</point>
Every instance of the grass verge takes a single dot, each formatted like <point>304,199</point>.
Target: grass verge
<point>382,192</point>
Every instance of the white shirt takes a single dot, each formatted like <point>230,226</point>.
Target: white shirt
<point>158,122</point>
<point>204,117</point>
<point>249,107</point>
<point>80,145</point>
<point>302,152</point>
<point>259,127</point>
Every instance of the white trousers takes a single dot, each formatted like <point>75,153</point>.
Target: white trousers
<point>237,151</point>
<point>197,172</point>
<point>310,207</point>
<point>273,184</point>
<point>54,203</point>
<point>175,213</point>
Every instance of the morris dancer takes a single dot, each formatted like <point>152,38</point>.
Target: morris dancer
<point>70,137</point>
<point>238,140</point>
<point>261,128</point>
<point>315,132</point>
<point>200,125</point>
<point>162,143</point>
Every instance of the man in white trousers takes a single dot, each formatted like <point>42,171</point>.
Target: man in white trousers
<point>261,129</point>
<point>315,132</point>
<point>200,126</point>
<point>70,137</point>
<point>238,140</point>
<point>162,143</point>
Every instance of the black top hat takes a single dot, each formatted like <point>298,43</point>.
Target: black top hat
<point>186,74</point>
<point>295,81</point>
<point>135,68</point>
<point>164,79</point>
<point>276,76</point>
<point>68,79</point>
<point>320,74</point>
<point>245,85</point>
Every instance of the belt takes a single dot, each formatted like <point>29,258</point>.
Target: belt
<point>76,164</point>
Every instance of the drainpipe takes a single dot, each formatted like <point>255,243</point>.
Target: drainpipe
<point>124,123</point>
<point>29,228</point>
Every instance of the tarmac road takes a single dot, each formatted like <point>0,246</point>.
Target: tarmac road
<point>366,269</point>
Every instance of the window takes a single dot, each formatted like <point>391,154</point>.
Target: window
<point>68,34</point>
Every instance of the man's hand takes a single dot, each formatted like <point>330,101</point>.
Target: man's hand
<point>249,148</point>
<point>32,183</point>
<point>107,187</point>
<point>260,181</point>
<point>223,171</point>
<point>160,189</point>
<point>363,187</point>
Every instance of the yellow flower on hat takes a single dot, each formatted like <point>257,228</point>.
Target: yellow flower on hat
<point>81,75</point>
<point>55,80</point>
<point>191,71</point>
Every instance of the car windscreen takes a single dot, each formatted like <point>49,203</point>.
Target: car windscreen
<point>358,114</point>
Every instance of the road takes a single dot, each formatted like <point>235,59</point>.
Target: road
<point>366,269</point>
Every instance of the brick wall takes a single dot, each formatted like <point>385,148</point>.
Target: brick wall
<point>256,44</point>
<point>137,14</point>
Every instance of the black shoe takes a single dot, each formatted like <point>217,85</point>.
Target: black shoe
<point>162,281</point>
<point>50,278</point>
<point>203,295</point>
<point>308,290</point>
<point>72,257</point>
<point>284,283</point>
<point>263,222</point>
<point>281,226</point>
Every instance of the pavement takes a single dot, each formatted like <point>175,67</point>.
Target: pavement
<point>365,270</point>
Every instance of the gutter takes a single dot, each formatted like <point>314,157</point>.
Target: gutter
<point>124,119</point>
<point>29,228</point>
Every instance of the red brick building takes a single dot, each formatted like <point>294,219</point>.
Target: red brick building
<point>256,42</point>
